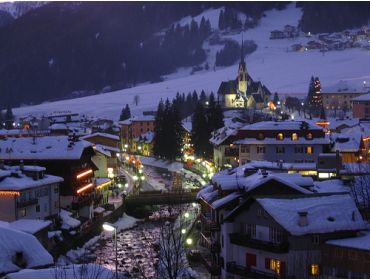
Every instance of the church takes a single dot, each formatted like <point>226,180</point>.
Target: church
<point>243,92</point>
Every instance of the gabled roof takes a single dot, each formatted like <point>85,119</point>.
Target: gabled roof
<point>327,213</point>
<point>105,135</point>
<point>228,87</point>
<point>42,148</point>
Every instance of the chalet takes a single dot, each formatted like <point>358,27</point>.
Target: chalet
<point>281,237</point>
<point>143,144</point>
<point>63,156</point>
<point>361,106</point>
<point>26,192</point>
<point>347,258</point>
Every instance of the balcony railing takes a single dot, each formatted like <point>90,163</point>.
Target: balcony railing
<point>213,246</point>
<point>26,203</point>
<point>81,202</point>
<point>247,241</point>
<point>208,224</point>
<point>248,272</point>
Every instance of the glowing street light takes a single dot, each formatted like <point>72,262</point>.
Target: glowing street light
<point>189,241</point>
<point>183,231</point>
<point>109,227</point>
<point>187,215</point>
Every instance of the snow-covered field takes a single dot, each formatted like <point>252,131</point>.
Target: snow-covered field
<point>278,69</point>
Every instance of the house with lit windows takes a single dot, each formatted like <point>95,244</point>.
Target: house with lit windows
<point>282,237</point>
<point>281,141</point>
<point>133,128</point>
<point>27,192</point>
<point>63,156</point>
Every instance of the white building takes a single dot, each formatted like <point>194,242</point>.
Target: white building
<point>26,192</point>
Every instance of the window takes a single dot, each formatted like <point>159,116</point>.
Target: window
<point>222,240</point>
<point>314,270</point>
<point>251,260</point>
<point>316,239</point>
<point>309,150</point>
<point>37,208</point>
<point>56,204</point>
<point>309,136</point>
<point>23,212</point>
<point>275,235</point>
<point>273,265</point>
<point>280,136</point>
<point>261,150</point>
<point>260,136</point>
<point>259,212</point>
<point>251,230</point>
<point>294,136</point>
<point>56,189</point>
<point>298,150</point>
<point>244,149</point>
<point>280,150</point>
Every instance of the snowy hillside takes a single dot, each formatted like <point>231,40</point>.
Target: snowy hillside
<point>17,9</point>
<point>280,70</point>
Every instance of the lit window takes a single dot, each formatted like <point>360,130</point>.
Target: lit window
<point>294,137</point>
<point>309,136</point>
<point>280,136</point>
<point>309,150</point>
<point>23,212</point>
<point>275,266</point>
<point>314,269</point>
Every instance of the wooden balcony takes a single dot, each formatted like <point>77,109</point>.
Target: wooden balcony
<point>213,246</point>
<point>248,272</point>
<point>246,241</point>
<point>82,201</point>
<point>208,224</point>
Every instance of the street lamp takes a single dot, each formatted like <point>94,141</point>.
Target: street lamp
<point>109,227</point>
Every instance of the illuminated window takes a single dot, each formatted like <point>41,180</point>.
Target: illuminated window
<point>314,270</point>
<point>309,136</point>
<point>294,137</point>
<point>22,212</point>
<point>275,266</point>
<point>280,136</point>
<point>309,150</point>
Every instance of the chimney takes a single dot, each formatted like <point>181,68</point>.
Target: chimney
<point>302,220</point>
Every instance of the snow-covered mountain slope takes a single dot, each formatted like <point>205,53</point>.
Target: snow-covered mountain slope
<point>18,9</point>
<point>280,70</point>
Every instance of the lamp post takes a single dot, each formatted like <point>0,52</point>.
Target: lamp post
<point>109,227</point>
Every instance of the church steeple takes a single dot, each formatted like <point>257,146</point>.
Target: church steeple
<point>242,72</point>
<point>242,52</point>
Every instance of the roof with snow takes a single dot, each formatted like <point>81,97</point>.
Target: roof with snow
<point>220,135</point>
<point>365,97</point>
<point>146,137</point>
<point>106,135</point>
<point>281,125</point>
<point>13,241</point>
<point>142,118</point>
<point>23,182</point>
<point>361,242</point>
<point>327,213</point>
<point>330,186</point>
<point>347,86</point>
<point>286,141</point>
<point>336,123</point>
<point>219,203</point>
<point>31,226</point>
<point>43,148</point>
<point>346,143</point>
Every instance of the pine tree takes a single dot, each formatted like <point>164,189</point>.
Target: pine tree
<point>215,116</point>
<point>1,118</point>
<point>202,97</point>
<point>201,133</point>
<point>221,20</point>
<point>125,113</point>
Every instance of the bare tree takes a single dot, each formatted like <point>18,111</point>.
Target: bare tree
<point>136,99</point>
<point>81,271</point>
<point>360,191</point>
<point>172,255</point>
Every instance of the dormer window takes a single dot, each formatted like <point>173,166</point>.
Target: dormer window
<point>294,137</point>
<point>280,136</point>
<point>260,136</point>
<point>309,136</point>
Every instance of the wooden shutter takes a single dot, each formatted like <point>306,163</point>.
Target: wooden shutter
<point>267,263</point>
<point>251,260</point>
<point>282,269</point>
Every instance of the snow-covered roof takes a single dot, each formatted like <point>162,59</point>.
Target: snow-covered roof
<point>106,150</point>
<point>146,137</point>
<point>270,165</point>
<point>327,213</point>
<point>142,118</point>
<point>75,271</point>
<point>365,97</point>
<point>43,148</point>
<point>280,125</point>
<point>101,134</point>
<point>362,128</point>
<point>330,186</point>
<point>30,225</point>
<point>171,166</point>
<point>335,123</point>
<point>68,221</point>
<point>13,241</point>
<point>23,182</point>
<point>286,141</point>
<point>346,142</point>
<point>346,86</point>
<point>58,126</point>
<point>362,241</point>
<point>226,199</point>
<point>187,125</point>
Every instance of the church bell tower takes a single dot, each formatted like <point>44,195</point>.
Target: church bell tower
<point>242,74</point>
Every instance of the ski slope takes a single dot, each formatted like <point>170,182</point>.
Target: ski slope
<point>280,70</point>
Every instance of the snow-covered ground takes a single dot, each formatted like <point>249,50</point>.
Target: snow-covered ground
<point>277,68</point>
